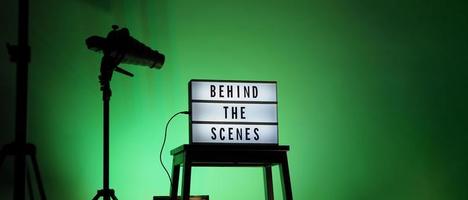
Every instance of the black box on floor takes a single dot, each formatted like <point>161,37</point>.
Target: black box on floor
<point>198,197</point>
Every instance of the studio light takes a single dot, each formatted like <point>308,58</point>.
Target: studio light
<point>123,48</point>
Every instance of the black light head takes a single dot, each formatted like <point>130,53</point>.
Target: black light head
<point>126,49</point>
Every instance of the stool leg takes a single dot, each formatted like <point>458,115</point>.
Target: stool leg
<point>175,181</point>
<point>186,180</point>
<point>284,168</point>
<point>267,175</point>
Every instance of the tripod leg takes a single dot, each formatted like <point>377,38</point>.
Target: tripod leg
<point>3,154</point>
<point>30,188</point>
<point>38,176</point>
<point>96,197</point>
<point>98,194</point>
<point>113,196</point>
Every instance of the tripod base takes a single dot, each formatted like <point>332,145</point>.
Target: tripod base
<point>106,194</point>
<point>28,149</point>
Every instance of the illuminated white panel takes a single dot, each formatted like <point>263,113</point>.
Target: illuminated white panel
<point>224,112</point>
<point>233,112</point>
<point>233,91</point>
<point>228,133</point>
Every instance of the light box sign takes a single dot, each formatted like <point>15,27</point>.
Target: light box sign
<point>233,112</point>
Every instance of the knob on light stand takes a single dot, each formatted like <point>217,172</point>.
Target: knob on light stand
<point>118,47</point>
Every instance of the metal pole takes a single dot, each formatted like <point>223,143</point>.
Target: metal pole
<point>106,144</point>
<point>21,99</point>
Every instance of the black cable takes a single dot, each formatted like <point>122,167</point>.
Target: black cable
<point>164,143</point>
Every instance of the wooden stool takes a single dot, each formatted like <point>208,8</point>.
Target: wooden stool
<point>220,155</point>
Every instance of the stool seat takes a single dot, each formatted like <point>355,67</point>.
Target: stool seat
<point>235,155</point>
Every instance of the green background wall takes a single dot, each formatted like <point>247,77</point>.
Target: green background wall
<point>372,94</point>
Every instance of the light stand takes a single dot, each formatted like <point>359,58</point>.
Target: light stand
<point>118,47</point>
<point>21,55</point>
<point>108,65</point>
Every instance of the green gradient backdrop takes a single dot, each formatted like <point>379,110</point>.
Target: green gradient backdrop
<point>372,94</point>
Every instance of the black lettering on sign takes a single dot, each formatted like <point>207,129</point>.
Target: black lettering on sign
<point>242,112</point>
<point>234,112</point>
<point>239,134</point>
<point>247,133</point>
<point>254,92</point>
<point>213,133</point>
<point>256,137</point>
<point>221,91</point>
<point>230,133</point>
<point>225,111</point>
<point>233,91</point>
<point>229,91</point>
<point>212,90</point>
<point>246,91</point>
<point>221,130</point>
<point>235,133</point>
